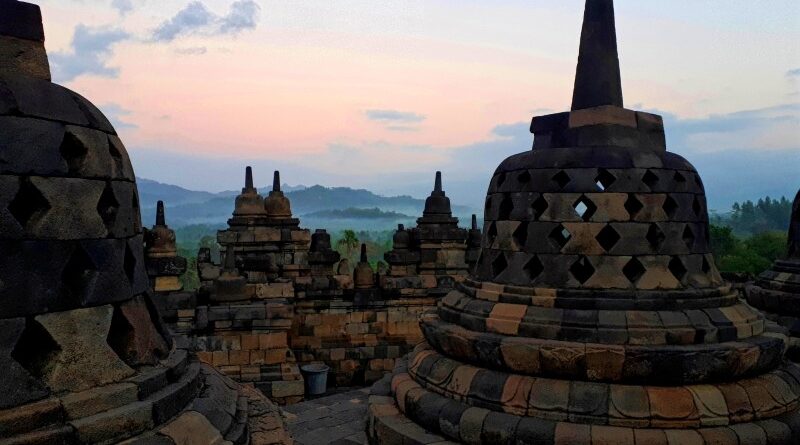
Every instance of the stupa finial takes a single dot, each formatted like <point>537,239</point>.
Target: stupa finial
<point>248,178</point>
<point>276,181</point>
<point>437,185</point>
<point>363,253</point>
<point>597,79</point>
<point>160,220</point>
<point>474,222</point>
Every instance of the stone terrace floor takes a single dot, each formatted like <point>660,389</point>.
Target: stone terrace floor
<point>337,419</point>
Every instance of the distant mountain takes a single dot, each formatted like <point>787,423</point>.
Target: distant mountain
<point>350,207</point>
<point>357,213</point>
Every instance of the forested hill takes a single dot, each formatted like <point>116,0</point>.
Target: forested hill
<point>186,207</point>
<point>750,218</point>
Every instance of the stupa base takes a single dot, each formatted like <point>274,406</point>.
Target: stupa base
<point>180,401</point>
<point>405,411</point>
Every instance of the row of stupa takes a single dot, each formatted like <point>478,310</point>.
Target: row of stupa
<point>276,297</point>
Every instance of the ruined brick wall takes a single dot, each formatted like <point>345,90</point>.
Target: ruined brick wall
<point>360,342</point>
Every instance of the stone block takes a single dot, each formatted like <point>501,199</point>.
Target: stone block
<point>17,386</point>
<point>192,428</point>
<point>85,359</point>
<point>95,400</point>
<point>116,424</point>
<point>141,344</point>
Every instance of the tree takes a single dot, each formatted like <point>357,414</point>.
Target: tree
<point>349,242</point>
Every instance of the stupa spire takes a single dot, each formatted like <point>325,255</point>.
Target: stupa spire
<point>597,78</point>
<point>248,178</point>
<point>160,220</point>
<point>437,185</point>
<point>474,222</point>
<point>363,253</point>
<point>276,181</point>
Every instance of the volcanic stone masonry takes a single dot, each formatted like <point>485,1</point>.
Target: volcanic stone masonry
<point>164,266</point>
<point>777,291</point>
<point>85,358</point>
<point>595,314</point>
<point>277,301</point>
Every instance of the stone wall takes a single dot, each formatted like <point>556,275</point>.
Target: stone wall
<point>360,342</point>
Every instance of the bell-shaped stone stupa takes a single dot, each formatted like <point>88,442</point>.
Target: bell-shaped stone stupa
<point>595,313</point>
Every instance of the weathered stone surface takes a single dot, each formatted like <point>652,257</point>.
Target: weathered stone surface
<point>192,428</point>
<point>95,400</point>
<point>17,386</point>
<point>138,342</point>
<point>85,359</point>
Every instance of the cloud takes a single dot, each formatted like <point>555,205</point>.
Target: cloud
<point>194,16</point>
<point>401,128</point>
<point>793,73</point>
<point>123,6</point>
<point>116,114</point>
<point>197,18</point>
<point>772,128</point>
<point>242,16</point>
<point>394,116</point>
<point>192,51</point>
<point>91,49</point>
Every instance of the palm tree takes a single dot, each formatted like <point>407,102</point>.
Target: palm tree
<point>349,242</point>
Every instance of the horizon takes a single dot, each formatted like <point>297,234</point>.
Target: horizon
<point>380,97</point>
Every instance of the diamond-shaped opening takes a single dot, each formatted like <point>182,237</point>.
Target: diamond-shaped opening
<point>633,270</point>
<point>679,178</point>
<point>633,205</point>
<point>501,178</point>
<point>108,206</point>
<point>524,177</point>
<point>116,155</point>
<point>29,204</point>
<point>506,206</point>
<point>533,268</point>
<point>561,179</point>
<point>121,337</point>
<point>670,206</point>
<point>604,179</point>
<point>73,151</point>
<point>688,237</point>
<point>492,232</point>
<point>582,269</point>
<point>560,236</point>
<point>608,238</point>
<point>520,234</point>
<point>539,206</point>
<point>697,208</point>
<point>129,264</point>
<point>706,266</point>
<point>585,208</point>
<point>650,179</point>
<point>499,264</point>
<point>655,236</point>
<point>677,268</point>
<point>35,350</point>
<point>78,274</point>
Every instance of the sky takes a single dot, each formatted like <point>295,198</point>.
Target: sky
<point>380,94</point>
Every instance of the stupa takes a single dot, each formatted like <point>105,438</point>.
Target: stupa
<point>595,314</point>
<point>85,358</point>
<point>777,291</point>
<point>164,265</point>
